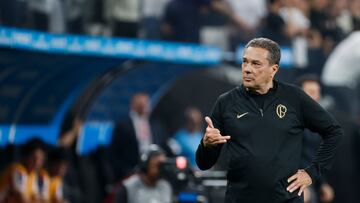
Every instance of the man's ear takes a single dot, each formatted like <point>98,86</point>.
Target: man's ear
<point>275,69</point>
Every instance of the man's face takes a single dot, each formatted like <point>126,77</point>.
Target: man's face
<point>37,159</point>
<point>257,72</point>
<point>154,166</point>
<point>141,104</point>
<point>62,168</point>
<point>194,119</point>
<point>313,89</point>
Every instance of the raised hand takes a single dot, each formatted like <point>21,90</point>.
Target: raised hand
<point>212,135</point>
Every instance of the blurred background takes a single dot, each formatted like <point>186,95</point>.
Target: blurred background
<point>91,84</point>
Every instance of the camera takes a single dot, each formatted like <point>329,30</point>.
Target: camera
<point>190,186</point>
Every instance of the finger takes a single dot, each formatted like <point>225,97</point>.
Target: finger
<point>296,186</point>
<point>301,190</point>
<point>293,177</point>
<point>210,130</point>
<point>209,122</point>
<point>219,142</point>
<point>291,187</point>
<point>216,137</point>
<point>226,137</point>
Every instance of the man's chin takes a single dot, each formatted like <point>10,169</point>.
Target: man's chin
<point>248,85</point>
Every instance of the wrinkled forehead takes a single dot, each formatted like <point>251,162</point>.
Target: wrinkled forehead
<point>256,54</point>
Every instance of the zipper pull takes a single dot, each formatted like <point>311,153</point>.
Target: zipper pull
<point>261,112</point>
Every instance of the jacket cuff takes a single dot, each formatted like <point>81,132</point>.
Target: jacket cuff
<point>202,143</point>
<point>313,172</point>
<point>205,147</point>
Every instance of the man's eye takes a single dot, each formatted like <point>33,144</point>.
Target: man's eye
<point>257,65</point>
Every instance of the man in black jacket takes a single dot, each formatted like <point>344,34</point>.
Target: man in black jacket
<point>266,121</point>
<point>132,136</point>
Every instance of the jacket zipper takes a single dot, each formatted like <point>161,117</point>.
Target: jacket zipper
<point>255,104</point>
<point>261,112</point>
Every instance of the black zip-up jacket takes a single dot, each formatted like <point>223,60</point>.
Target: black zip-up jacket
<point>265,145</point>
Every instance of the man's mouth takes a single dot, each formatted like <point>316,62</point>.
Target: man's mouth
<point>247,79</point>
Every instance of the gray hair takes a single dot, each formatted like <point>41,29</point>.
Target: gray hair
<point>268,44</point>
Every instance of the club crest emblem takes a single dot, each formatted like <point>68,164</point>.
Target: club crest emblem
<point>281,110</point>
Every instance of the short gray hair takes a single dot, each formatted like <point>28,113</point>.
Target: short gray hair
<point>268,44</point>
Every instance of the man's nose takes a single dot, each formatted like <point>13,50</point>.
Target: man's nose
<point>246,68</point>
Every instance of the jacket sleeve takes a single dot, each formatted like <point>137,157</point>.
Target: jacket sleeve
<point>206,157</point>
<point>318,120</point>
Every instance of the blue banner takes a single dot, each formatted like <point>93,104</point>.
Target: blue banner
<point>121,47</point>
<point>4,135</point>
<point>110,47</point>
<point>93,135</point>
<point>20,134</point>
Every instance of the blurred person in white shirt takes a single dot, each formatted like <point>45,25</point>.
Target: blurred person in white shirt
<point>247,16</point>
<point>123,16</point>
<point>298,23</point>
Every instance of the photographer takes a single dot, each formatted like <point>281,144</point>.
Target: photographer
<point>146,185</point>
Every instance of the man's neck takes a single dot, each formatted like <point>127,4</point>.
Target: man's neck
<point>263,90</point>
<point>135,114</point>
<point>147,181</point>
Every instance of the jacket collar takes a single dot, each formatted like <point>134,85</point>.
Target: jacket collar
<point>274,88</point>
<point>269,100</point>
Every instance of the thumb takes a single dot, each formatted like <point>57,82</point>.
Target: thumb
<point>209,122</point>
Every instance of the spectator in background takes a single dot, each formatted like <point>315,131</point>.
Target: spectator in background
<point>47,15</point>
<point>133,135</point>
<point>334,12</point>
<point>275,27</point>
<point>19,182</point>
<point>57,167</point>
<point>246,16</point>
<point>319,44</point>
<point>40,11</point>
<point>347,14</point>
<point>321,190</point>
<point>316,53</point>
<point>74,190</point>
<point>215,24</point>
<point>43,183</point>
<point>342,72</point>
<point>188,137</point>
<point>146,185</point>
<point>298,25</point>
<point>322,21</point>
<point>182,20</point>
<point>123,16</point>
<point>152,12</point>
<point>355,13</point>
<point>340,11</point>
<point>75,15</point>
